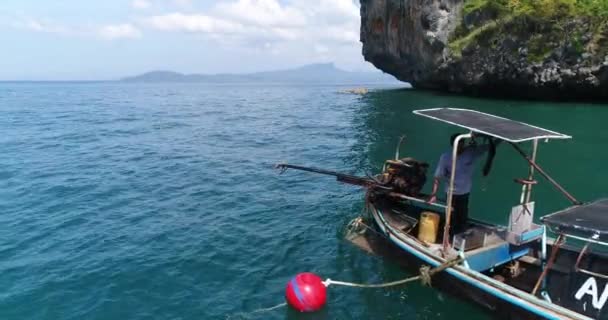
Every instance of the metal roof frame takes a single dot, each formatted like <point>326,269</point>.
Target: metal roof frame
<point>588,221</point>
<point>487,120</point>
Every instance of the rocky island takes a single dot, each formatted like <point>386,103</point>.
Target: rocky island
<point>550,49</point>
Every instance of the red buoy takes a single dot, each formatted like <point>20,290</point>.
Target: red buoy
<point>306,292</point>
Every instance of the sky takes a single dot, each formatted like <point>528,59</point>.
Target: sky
<point>110,39</point>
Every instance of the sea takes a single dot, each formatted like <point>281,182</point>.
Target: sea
<point>160,201</point>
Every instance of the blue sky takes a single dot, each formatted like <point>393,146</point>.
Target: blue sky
<point>88,40</point>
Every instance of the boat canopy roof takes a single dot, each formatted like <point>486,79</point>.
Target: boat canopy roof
<point>589,221</point>
<point>498,127</point>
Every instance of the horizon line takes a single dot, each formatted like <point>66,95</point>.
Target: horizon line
<point>333,64</point>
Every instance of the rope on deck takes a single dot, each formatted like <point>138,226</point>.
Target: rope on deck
<point>357,227</point>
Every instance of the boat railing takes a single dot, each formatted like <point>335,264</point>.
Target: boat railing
<point>419,200</point>
<point>589,240</point>
<point>577,267</point>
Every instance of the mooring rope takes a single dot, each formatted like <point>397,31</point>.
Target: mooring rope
<point>425,277</point>
<point>329,282</point>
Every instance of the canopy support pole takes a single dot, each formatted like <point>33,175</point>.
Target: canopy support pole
<point>543,256</point>
<point>545,175</point>
<point>531,171</point>
<point>556,245</point>
<point>448,209</point>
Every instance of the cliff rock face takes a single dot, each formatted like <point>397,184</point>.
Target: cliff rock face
<point>447,45</point>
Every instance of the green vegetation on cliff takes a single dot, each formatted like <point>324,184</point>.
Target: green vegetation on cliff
<point>538,27</point>
<point>542,8</point>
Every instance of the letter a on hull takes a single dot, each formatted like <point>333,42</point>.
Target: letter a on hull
<point>590,288</point>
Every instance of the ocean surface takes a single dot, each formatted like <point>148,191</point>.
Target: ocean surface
<point>160,201</point>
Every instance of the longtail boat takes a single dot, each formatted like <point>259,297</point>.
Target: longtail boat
<point>516,270</point>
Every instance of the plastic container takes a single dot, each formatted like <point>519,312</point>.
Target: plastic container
<point>428,228</point>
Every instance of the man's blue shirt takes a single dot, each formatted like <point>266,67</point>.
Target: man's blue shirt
<point>465,164</point>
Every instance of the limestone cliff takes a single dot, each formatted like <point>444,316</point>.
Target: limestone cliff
<point>491,47</point>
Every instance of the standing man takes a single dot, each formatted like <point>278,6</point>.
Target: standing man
<point>465,164</point>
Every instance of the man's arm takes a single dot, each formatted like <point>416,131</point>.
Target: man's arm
<point>438,174</point>
<point>433,196</point>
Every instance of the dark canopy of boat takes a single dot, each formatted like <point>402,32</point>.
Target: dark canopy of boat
<point>498,127</point>
<point>588,221</point>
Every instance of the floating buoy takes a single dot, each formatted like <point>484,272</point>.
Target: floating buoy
<point>306,292</point>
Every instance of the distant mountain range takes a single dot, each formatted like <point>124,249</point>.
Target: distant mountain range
<point>314,73</point>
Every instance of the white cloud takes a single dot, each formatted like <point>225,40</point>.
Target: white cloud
<point>183,3</point>
<point>340,34</point>
<point>299,31</point>
<point>44,26</point>
<point>263,13</point>
<point>217,27</point>
<point>194,23</point>
<point>340,10</point>
<point>108,32</point>
<point>140,4</point>
<point>293,31</point>
<point>119,31</point>
<point>321,49</point>
<point>330,21</point>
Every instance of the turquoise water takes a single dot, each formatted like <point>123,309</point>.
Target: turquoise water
<point>127,201</point>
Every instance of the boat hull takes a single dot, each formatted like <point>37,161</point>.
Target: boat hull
<point>501,299</point>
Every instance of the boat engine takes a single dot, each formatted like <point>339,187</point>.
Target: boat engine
<point>407,175</point>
